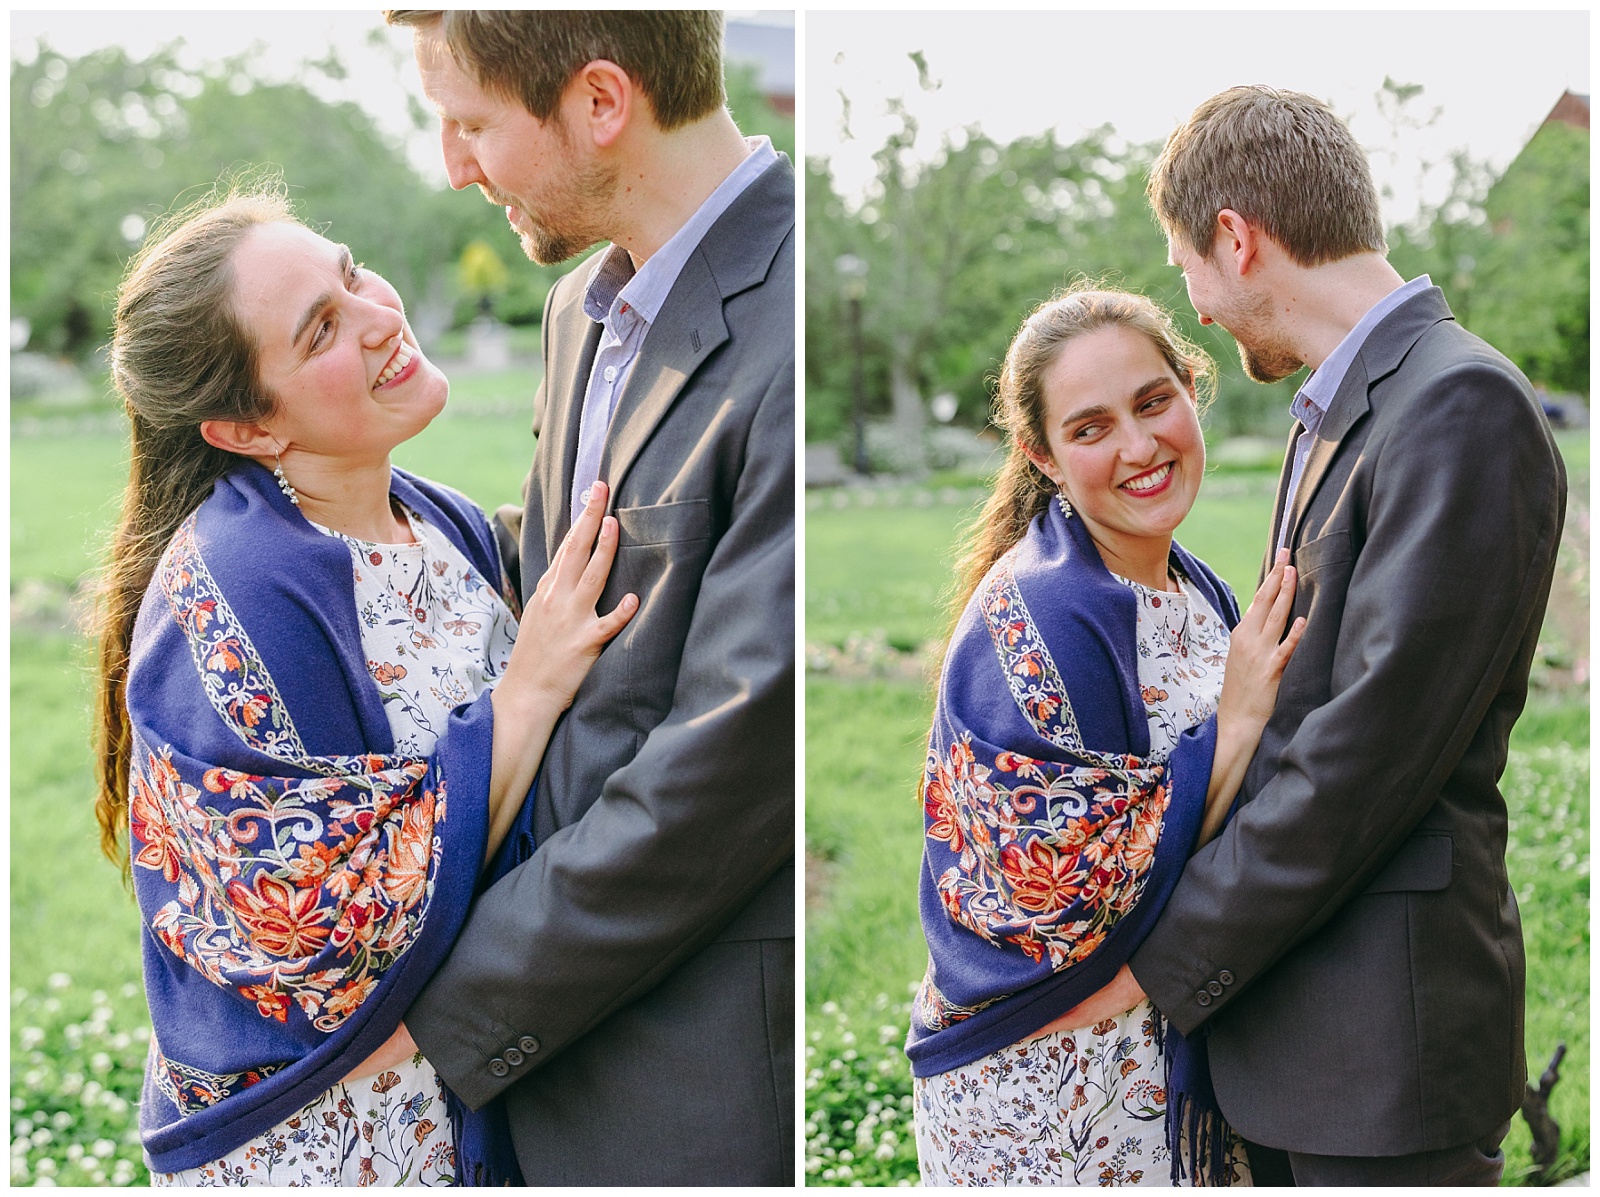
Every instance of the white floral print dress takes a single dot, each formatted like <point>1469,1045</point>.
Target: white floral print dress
<point>436,634</point>
<point>1084,1107</point>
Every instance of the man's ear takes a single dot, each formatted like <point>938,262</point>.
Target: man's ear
<point>238,436</point>
<point>1237,244</point>
<point>606,100</point>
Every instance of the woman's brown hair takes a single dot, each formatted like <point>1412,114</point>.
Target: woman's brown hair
<point>1021,490</point>
<point>178,356</point>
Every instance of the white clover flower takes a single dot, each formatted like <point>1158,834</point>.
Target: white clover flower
<point>104,1148</point>
<point>61,1120</point>
<point>42,1137</point>
<point>59,981</point>
<point>885,1152</point>
<point>31,1037</point>
<point>74,1152</point>
<point>830,1007</point>
<point>100,1063</point>
<point>46,1167</point>
<point>22,1128</point>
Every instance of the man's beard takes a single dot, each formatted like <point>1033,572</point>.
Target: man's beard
<point>578,216</point>
<point>1267,363</point>
<point>1263,356</point>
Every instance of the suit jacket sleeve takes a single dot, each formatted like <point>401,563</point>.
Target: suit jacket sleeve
<point>1459,535</point>
<point>679,839</point>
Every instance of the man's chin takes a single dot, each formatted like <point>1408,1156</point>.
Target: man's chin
<point>544,249</point>
<point>1259,367</point>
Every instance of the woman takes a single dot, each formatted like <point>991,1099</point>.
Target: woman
<point>317,719</point>
<point>1094,720</point>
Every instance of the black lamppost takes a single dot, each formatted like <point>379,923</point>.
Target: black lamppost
<point>853,273</point>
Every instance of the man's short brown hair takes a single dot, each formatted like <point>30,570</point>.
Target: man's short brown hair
<point>1280,159</point>
<point>675,57</point>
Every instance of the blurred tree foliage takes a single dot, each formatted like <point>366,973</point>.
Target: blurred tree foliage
<point>959,249</point>
<point>103,145</point>
<point>1513,255</point>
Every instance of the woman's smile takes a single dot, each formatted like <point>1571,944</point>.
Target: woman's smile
<point>401,365</point>
<point>1151,482</point>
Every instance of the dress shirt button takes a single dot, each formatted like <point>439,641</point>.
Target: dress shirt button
<point>610,373</point>
<point>1225,977</point>
<point>498,1067</point>
<point>1201,996</point>
<point>513,1056</point>
<point>528,1044</point>
<point>1213,987</point>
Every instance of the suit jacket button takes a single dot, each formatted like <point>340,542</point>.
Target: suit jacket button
<point>1203,997</point>
<point>1214,988</point>
<point>528,1044</point>
<point>1225,977</point>
<point>498,1067</point>
<point>513,1056</point>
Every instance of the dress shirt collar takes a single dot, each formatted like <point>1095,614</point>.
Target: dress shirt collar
<point>1317,392</point>
<point>615,287</point>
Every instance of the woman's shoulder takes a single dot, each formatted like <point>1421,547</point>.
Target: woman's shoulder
<point>1210,584</point>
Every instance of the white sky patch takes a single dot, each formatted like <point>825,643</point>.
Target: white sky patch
<point>1493,76</point>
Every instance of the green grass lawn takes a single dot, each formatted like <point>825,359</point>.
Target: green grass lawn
<point>887,568</point>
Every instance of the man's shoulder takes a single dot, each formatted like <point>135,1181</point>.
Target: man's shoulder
<point>751,245</point>
<point>1448,353</point>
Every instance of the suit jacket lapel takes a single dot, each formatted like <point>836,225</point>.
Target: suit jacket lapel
<point>686,330</point>
<point>1278,503</point>
<point>735,254</point>
<point>1349,404</point>
<point>566,380</point>
<point>1380,356</point>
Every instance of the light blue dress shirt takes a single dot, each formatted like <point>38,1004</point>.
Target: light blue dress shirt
<point>1315,396</point>
<point>626,301</point>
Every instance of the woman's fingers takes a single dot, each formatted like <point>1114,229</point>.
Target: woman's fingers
<point>1282,603</point>
<point>609,625</point>
<point>1290,642</point>
<point>1271,586</point>
<point>593,579</point>
<point>577,545</point>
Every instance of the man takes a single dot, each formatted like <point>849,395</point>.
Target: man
<point>630,988</point>
<point>1349,944</point>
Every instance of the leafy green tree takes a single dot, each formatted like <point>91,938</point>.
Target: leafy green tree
<point>960,248</point>
<point>1530,290</point>
<point>101,146</point>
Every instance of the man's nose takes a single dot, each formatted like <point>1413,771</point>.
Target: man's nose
<point>460,167</point>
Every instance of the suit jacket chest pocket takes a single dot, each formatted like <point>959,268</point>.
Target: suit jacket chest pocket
<point>661,556</point>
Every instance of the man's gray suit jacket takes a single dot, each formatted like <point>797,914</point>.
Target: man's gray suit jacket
<point>631,987</point>
<point>1350,942</point>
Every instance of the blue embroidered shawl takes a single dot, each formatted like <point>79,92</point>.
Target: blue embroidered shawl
<point>298,882</point>
<point>1052,841</point>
